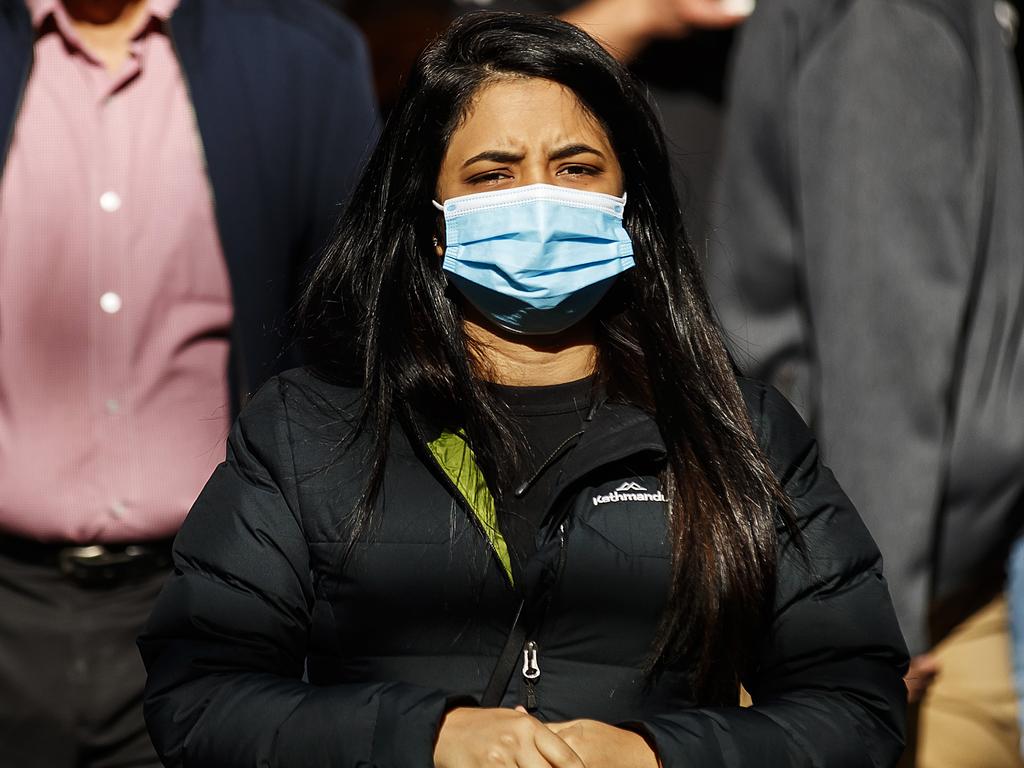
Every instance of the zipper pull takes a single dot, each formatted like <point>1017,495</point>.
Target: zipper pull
<point>531,698</point>
<point>531,674</point>
<point>531,670</point>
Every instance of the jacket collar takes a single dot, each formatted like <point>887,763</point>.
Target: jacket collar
<point>455,459</point>
<point>616,432</point>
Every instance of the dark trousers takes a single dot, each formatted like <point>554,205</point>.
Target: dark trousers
<point>71,677</point>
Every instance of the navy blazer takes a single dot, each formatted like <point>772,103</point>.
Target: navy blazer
<point>286,112</point>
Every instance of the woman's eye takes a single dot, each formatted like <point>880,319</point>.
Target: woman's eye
<point>578,170</point>
<point>489,177</point>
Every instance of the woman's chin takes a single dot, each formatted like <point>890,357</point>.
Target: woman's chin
<point>484,330</point>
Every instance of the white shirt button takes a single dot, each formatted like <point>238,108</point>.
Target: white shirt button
<point>118,510</point>
<point>113,406</point>
<point>110,202</point>
<point>110,303</point>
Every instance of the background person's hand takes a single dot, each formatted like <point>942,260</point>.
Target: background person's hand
<point>604,746</point>
<point>624,27</point>
<point>924,668</point>
<point>496,738</point>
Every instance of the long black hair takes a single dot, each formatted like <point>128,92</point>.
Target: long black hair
<point>379,311</point>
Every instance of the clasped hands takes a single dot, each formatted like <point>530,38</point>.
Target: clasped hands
<point>475,738</point>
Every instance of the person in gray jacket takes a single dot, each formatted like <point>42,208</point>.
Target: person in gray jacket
<point>871,266</point>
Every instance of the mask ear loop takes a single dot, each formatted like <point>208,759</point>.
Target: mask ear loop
<point>435,238</point>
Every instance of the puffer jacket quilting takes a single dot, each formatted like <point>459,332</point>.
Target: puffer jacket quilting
<point>410,622</point>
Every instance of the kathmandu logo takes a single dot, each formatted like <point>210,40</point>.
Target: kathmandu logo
<point>629,491</point>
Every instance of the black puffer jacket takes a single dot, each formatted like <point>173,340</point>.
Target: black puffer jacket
<point>412,621</point>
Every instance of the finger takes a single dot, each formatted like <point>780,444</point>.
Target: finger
<point>555,750</point>
<point>531,757</point>
<point>714,14</point>
<point>924,663</point>
<point>738,8</point>
<point>916,688</point>
<point>559,727</point>
<point>920,676</point>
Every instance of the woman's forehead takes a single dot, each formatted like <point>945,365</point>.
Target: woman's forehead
<point>524,114</point>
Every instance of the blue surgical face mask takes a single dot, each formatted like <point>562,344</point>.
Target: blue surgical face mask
<point>535,259</point>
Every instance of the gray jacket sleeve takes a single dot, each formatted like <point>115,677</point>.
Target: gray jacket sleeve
<point>849,177</point>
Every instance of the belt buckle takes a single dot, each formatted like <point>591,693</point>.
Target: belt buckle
<point>72,559</point>
<point>97,564</point>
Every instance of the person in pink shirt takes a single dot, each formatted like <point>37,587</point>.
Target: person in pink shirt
<point>168,168</point>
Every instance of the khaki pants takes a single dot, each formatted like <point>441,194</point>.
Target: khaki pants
<point>968,718</point>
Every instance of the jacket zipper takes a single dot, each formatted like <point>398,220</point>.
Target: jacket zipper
<point>531,649</point>
<point>531,674</point>
<point>561,449</point>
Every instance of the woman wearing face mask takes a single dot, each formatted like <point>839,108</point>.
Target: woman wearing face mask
<point>524,514</point>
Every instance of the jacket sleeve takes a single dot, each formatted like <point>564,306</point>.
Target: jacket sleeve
<point>338,138</point>
<point>754,274</point>
<point>226,644</point>
<point>850,176</point>
<point>827,688</point>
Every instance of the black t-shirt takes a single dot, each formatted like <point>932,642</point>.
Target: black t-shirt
<point>550,417</point>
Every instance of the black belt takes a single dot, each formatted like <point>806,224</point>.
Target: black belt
<point>92,564</point>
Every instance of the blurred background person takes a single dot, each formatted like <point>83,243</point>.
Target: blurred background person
<point>168,169</point>
<point>1009,18</point>
<point>679,48</point>
<point>872,266</point>
<point>419,524</point>
<point>396,31</point>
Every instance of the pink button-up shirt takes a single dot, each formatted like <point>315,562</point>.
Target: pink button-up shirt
<point>115,304</point>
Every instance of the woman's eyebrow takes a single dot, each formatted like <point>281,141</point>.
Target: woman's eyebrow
<point>496,156</point>
<point>570,150</point>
